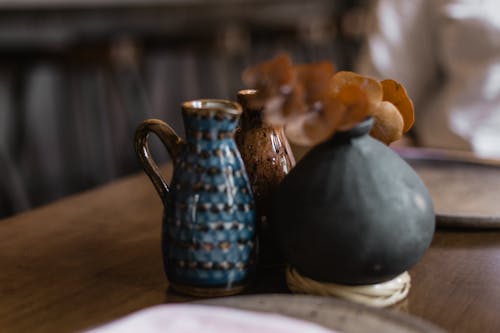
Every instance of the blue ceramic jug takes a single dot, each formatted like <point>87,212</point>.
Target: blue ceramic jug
<point>208,236</point>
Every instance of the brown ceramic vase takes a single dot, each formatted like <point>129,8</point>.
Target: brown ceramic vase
<point>268,159</point>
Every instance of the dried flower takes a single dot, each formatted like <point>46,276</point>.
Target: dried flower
<point>395,93</point>
<point>313,102</point>
<point>388,125</point>
<point>278,90</point>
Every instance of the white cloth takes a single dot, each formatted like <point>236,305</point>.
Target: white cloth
<point>189,318</point>
<point>447,54</point>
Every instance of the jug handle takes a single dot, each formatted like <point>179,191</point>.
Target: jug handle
<point>169,138</point>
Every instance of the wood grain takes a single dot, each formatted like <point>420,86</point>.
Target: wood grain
<point>83,260</point>
<point>96,256</point>
<point>456,283</point>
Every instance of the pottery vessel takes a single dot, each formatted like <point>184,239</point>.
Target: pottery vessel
<point>268,159</point>
<point>208,225</point>
<point>353,212</point>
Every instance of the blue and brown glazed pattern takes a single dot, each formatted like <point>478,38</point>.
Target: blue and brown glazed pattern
<point>209,230</point>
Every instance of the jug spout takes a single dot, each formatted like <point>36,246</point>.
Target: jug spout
<point>210,120</point>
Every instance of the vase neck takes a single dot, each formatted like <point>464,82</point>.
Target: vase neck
<point>210,120</point>
<point>254,119</point>
<point>253,111</point>
<point>361,129</point>
<point>206,128</point>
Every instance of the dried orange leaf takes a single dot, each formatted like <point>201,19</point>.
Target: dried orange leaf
<point>395,93</point>
<point>315,78</point>
<point>333,112</point>
<point>356,103</point>
<point>297,133</point>
<point>279,108</point>
<point>388,126</point>
<point>295,101</point>
<point>270,77</point>
<point>316,126</point>
<point>371,87</point>
<point>273,110</point>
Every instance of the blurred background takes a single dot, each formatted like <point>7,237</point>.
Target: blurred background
<point>77,76</point>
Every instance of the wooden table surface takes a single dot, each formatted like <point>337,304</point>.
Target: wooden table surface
<point>96,256</point>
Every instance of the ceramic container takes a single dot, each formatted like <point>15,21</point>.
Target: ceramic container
<point>353,212</point>
<point>268,159</point>
<point>208,225</point>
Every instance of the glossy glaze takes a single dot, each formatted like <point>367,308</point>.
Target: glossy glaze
<point>208,227</point>
<point>268,159</point>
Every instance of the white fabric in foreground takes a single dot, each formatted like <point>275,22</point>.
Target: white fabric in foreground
<point>190,318</point>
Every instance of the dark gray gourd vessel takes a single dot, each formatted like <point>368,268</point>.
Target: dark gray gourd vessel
<point>352,211</point>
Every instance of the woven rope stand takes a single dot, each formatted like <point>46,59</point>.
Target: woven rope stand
<point>377,295</point>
